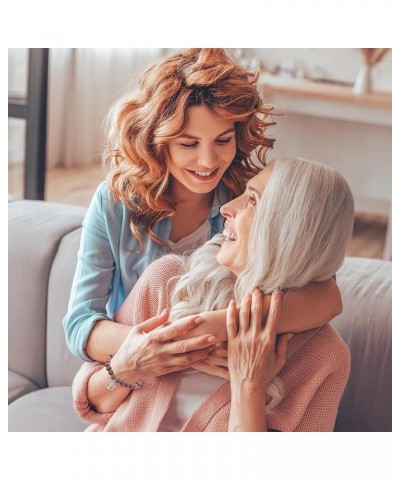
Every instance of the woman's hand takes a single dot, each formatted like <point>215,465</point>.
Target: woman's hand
<point>255,355</point>
<point>149,351</point>
<point>216,362</point>
<point>151,348</point>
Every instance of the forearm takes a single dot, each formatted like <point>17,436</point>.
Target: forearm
<point>309,307</point>
<point>102,399</point>
<point>105,339</point>
<point>247,410</point>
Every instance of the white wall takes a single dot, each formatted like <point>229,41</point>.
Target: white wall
<point>360,152</point>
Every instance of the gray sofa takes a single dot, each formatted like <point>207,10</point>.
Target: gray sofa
<point>43,243</point>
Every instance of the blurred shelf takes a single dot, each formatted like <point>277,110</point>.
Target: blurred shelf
<point>326,100</point>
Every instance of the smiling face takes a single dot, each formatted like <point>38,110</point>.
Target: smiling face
<point>204,151</point>
<point>239,214</point>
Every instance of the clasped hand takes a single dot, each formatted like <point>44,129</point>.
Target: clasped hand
<point>157,347</point>
<point>255,353</point>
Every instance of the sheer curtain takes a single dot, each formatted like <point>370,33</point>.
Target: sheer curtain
<point>83,84</point>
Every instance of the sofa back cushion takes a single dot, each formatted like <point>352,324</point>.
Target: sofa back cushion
<point>34,234</point>
<point>366,326</point>
<point>61,364</point>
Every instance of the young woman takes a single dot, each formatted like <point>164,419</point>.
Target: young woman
<point>290,228</point>
<point>179,148</point>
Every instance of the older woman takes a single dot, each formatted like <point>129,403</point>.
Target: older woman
<point>289,228</point>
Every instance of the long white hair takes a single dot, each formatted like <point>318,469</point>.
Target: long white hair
<point>300,232</point>
<point>303,224</point>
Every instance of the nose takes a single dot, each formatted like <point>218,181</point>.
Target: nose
<point>230,209</point>
<point>208,158</point>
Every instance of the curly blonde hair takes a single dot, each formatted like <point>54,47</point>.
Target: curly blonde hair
<point>141,124</point>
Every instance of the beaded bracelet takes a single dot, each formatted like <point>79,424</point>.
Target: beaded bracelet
<point>112,382</point>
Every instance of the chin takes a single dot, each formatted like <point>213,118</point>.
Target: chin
<point>224,262</point>
<point>220,259</point>
<point>203,188</point>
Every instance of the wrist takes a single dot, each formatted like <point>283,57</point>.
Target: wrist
<point>245,389</point>
<point>247,412</point>
<point>121,371</point>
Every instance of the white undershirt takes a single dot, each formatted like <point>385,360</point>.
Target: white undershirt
<point>192,241</point>
<point>195,386</point>
<point>193,389</point>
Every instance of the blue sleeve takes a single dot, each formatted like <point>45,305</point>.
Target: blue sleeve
<point>92,282</point>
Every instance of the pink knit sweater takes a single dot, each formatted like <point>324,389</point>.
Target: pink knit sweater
<point>314,376</point>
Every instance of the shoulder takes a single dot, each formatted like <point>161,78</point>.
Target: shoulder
<point>322,346</point>
<point>331,338</point>
<point>105,198</point>
<point>164,269</point>
<point>105,216</point>
<point>330,348</point>
<point>151,292</point>
<point>104,204</point>
<point>161,276</point>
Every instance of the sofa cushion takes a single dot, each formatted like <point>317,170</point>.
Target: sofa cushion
<point>35,230</point>
<point>366,326</point>
<point>46,410</point>
<point>18,386</point>
<point>61,364</point>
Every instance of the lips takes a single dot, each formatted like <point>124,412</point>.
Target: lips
<point>229,236</point>
<point>204,175</point>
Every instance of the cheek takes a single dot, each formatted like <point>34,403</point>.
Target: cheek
<point>177,158</point>
<point>230,153</point>
<point>244,230</point>
<point>227,154</point>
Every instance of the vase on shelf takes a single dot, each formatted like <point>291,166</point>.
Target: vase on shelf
<point>363,83</point>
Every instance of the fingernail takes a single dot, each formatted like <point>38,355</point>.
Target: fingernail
<point>290,336</point>
<point>231,303</point>
<point>211,339</point>
<point>198,320</point>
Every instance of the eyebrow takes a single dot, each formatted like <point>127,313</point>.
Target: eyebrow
<point>192,137</point>
<point>249,187</point>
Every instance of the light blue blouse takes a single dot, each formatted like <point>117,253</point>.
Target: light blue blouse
<point>108,266</point>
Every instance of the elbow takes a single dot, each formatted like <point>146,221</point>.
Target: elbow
<point>334,304</point>
<point>337,305</point>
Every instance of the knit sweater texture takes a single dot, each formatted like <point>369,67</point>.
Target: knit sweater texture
<point>314,376</point>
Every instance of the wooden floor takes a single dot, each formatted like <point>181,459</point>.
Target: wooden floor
<point>76,186</point>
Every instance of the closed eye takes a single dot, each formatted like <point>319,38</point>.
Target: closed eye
<point>224,141</point>
<point>252,200</point>
<point>189,145</point>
